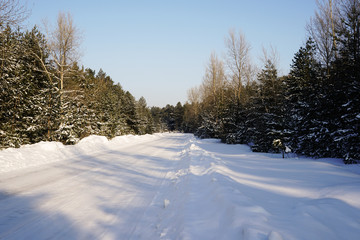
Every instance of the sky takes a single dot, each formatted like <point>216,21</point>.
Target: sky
<point>159,49</point>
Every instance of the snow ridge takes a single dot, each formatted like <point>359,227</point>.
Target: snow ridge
<point>194,203</point>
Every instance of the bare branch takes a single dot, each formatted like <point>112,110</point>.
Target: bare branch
<point>194,95</point>
<point>63,42</point>
<point>271,55</point>
<point>321,29</point>
<point>238,60</point>
<point>12,12</point>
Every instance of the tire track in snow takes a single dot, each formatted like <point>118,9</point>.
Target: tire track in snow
<point>150,226</point>
<point>202,205</point>
<point>96,190</point>
<point>185,201</point>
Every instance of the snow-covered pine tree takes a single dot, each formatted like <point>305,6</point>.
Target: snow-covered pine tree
<point>305,118</point>
<point>167,117</point>
<point>43,95</point>
<point>266,118</point>
<point>92,118</point>
<point>74,109</point>
<point>10,92</point>
<point>144,115</point>
<point>179,116</point>
<point>237,115</point>
<point>129,109</point>
<point>29,98</point>
<point>120,126</point>
<point>346,80</point>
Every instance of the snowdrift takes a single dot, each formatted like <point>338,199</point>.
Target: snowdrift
<point>33,155</point>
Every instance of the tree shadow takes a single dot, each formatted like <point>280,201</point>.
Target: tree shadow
<point>21,217</point>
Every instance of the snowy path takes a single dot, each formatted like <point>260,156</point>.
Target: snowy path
<point>172,186</point>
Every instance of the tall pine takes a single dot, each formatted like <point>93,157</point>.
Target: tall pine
<point>346,80</point>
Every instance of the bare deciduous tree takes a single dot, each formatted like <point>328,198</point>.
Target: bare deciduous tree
<point>321,28</point>
<point>214,79</point>
<point>270,55</point>
<point>12,12</point>
<point>64,41</point>
<point>238,61</point>
<point>194,95</point>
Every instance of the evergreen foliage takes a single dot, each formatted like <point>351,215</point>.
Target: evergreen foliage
<point>314,111</point>
<point>345,77</point>
<point>29,100</point>
<point>266,116</point>
<point>305,117</point>
<point>33,109</point>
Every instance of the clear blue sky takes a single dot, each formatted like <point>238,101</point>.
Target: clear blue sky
<point>159,49</point>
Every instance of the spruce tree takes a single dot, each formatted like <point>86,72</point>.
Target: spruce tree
<point>11,91</point>
<point>145,119</point>
<point>306,118</point>
<point>129,109</point>
<point>346,80</point>
<point>266,118</point>
<point>30,99</point>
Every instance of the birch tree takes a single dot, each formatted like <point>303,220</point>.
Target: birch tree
<point>321,29</point>
<point>214,81</point>
<point>64,43</point>
<point>238,61</point>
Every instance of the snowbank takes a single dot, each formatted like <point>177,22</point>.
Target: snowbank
<point>47,152</point>
<point>31,155</point>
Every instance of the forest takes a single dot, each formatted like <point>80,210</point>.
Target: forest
<point>314,110</point>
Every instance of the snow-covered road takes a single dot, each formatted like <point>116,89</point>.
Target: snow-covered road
<point>172,186</point>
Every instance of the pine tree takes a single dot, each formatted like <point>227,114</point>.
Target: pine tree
<point>178,116</point>
<point>145,125</point>
<point>346,80</point>
<point>158,125</point>
<point>42,93</point>
<point>10,91</point>
<point>119,126</point>
<point>238,117</point>
<point>190,118</point>
<point>129,109</point>
<point>92,118</point>
<point>168,117</point>
<point>306,119</point>
<point>266,118</point>
<point>74,109</point>
<point>29,99</point>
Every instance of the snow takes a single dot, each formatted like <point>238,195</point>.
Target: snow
<point>173,186</point>
<point>30,155</point>
<point>287,149</point>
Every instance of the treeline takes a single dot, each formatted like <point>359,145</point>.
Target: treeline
<point>42,100</point>
<point>46,96</point>
<point>315,110</point>
<point>34,108</point>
